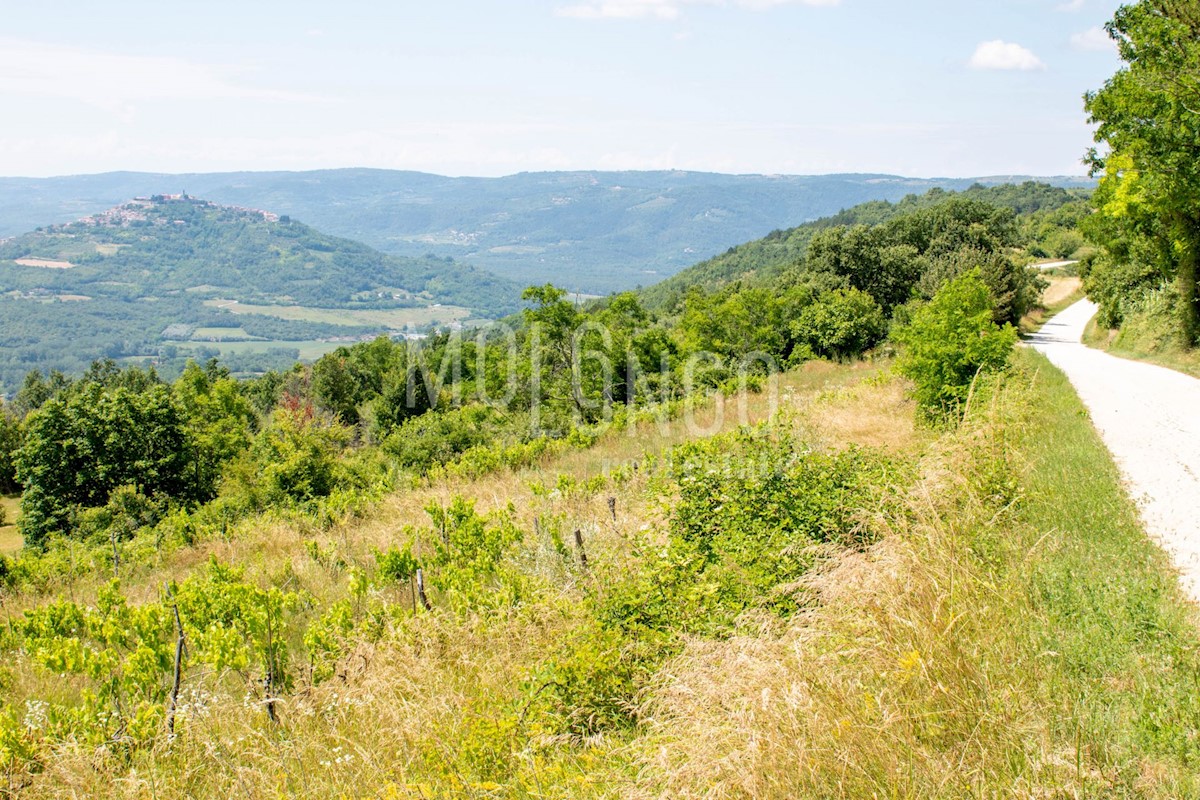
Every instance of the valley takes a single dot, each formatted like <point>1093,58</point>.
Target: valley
<point>592,232</point>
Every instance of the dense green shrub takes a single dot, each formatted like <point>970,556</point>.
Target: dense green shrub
<point>432,439</point>
<point>950,342</point>
<point>79,448</point>
<point>1014,288</point>
<point>754,508</point>
<point>293,460</point>
<point>841,324</point>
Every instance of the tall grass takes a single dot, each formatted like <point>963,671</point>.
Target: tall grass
<point>1016,636</point>
<point>1013,634</point>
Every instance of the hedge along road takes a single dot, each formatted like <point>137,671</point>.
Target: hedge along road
<point>1149,417</point>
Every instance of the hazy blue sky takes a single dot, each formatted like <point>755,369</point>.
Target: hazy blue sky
<point>484,87</point>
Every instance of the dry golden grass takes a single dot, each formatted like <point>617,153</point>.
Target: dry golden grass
<point>881,691</point>
<point>923,672</point>
<point>912,677</point>
<point>437,686</point>
<point>877,413</point>
<point>43,263</point>
<point>10,540</point>
<point>1062,289</point>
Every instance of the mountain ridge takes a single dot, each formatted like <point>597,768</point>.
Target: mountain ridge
<point>590,231</point>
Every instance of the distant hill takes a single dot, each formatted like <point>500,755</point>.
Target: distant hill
<point>159,273</point>
<point>594,232</point>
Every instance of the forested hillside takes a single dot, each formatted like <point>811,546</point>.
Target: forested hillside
<point>594,232</point>
<point>143,277</point>
<point>1026,222</point>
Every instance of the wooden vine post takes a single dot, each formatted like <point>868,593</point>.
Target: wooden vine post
<point>579,546</point>
<point>421,590</point>
<point>180,645</point>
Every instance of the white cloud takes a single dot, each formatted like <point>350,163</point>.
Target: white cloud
<point>115,81</point>
<point>1002,55</point>
<point>1095,40</point>
<point>1072,5</point>
<point>666,9</point>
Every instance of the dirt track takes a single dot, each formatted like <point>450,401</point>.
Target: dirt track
<point>1150,419</point>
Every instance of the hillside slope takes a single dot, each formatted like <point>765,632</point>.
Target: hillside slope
<point>595,232</point>
<point>969,635</point>
<point>123,282</point>
<point>1039,207</point>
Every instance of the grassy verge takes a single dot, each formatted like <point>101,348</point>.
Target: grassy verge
<point>1137,341</point>
<point>1017,636</point>
<point>1121,674</point>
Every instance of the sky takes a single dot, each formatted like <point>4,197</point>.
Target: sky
<point>923,88</point>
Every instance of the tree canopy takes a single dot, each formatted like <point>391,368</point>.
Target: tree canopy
<point>1148,115</point>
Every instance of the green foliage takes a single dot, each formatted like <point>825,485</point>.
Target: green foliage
<point>750,514</point>
<point>841,324</point>
<point>10,443</point>
<point>123,653</point>
<point>238,626</point>
<point>468,551</point>
<point>1149,198</point>
<point>870,259</point>
<point>1014,289</point>
<point>939,222</point>
<point>430,440</point>
<point>396,565</point>
<point>950,342</point>
<point>220,423</point>
<point>753,508</point>
<point>119,657</point>
<point>293,460</point>
<point>81,447</point>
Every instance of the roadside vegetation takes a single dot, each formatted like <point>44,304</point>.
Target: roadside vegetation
<point>1148,203</point>
<point>814,596</point>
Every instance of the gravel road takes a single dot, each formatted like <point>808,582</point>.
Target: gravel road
<point>1150,419</point>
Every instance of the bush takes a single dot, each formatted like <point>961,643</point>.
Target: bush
<point>841,324</point>
<point>295,459</point>
<point>950,342</point>
<point>753,509</point>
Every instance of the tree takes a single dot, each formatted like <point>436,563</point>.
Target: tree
<point>294,459</point>
<point>1148,115</point>
<point>870,259</point>
<point>219,420</point>
<point>1014,288</point>
<point>10,442</point>
<point>949,343</point>
<point>551,326</point>
<point>81,447</point>
<point>841,324</point>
